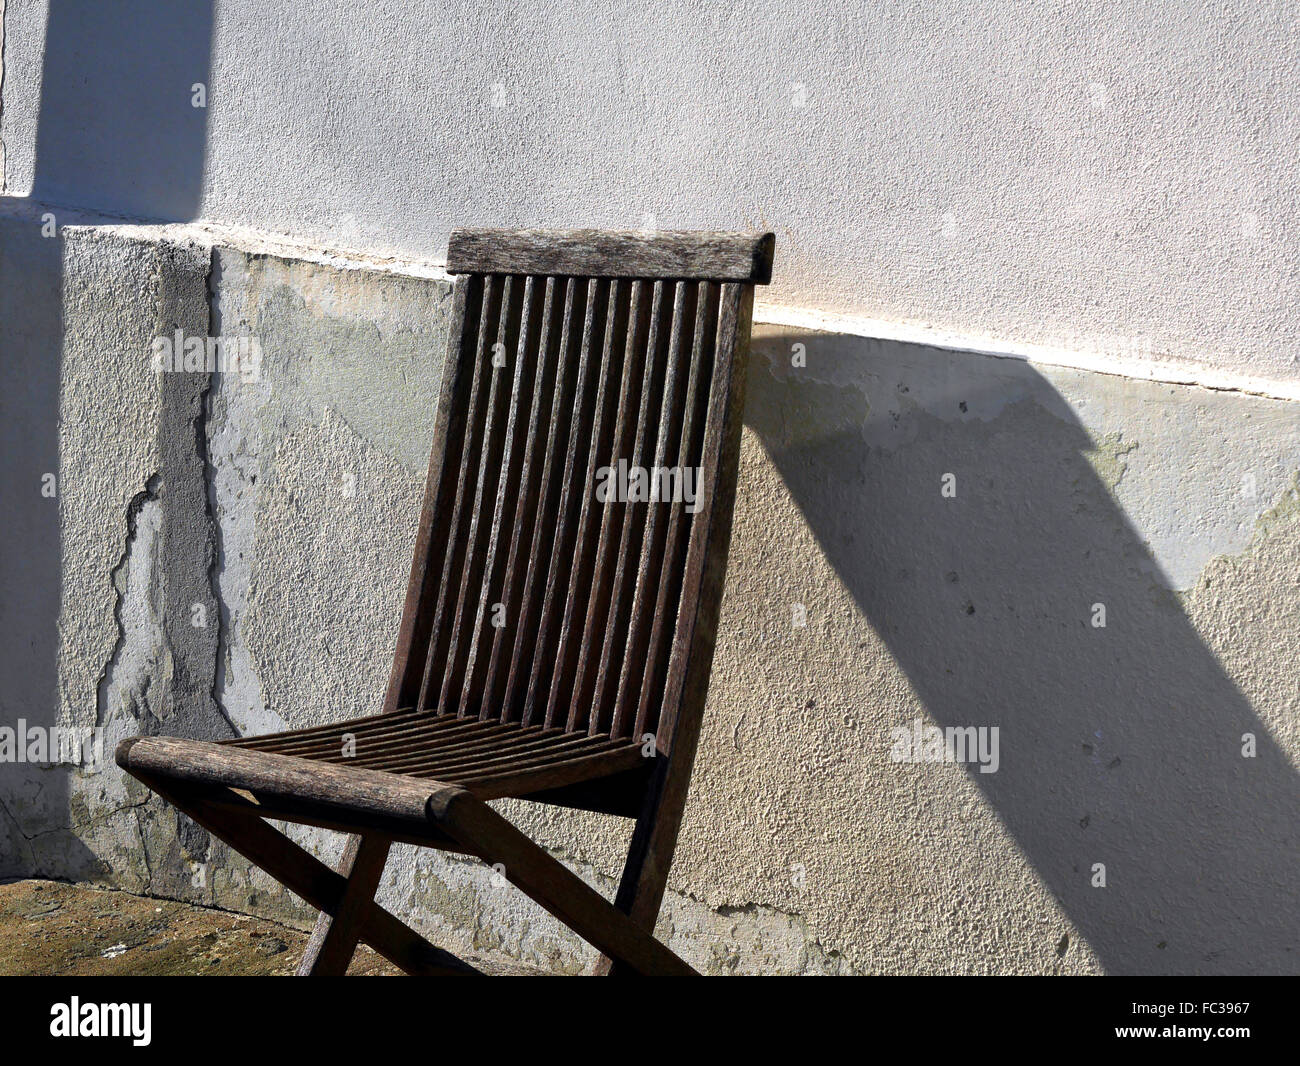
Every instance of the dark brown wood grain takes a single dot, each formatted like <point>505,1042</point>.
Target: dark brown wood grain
<point>338,929</point>
<point>452,550</point>
<point>626,655</point>
<point>494,600</point>
<point>391,801</point>
<point>530,497</point>
<point>479,557</point>
<point>663,574</point>
<point>555,610</point>
<point>638,371</point>
<point>436,514</point>
<point>583,576</point>
<point>563,426</point>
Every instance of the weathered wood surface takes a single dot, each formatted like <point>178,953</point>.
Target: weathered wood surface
<point>389,800</point>
<point>378,765</point>
<point>554,886</point>
<point>436,514</point>
<point>338,929</point>
<point>667,254</point>
<point>309,878</point>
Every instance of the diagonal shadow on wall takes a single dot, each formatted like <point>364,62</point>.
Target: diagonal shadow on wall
<point>1119,745</point>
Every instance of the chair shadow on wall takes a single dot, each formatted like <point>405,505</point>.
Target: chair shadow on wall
<point>1119,745</point>
<point>117,132</point>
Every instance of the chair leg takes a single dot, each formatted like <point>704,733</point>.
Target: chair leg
<point>649,858</point>
<point>553,885</point>
<point>334,940</point>
<point>306,876</point>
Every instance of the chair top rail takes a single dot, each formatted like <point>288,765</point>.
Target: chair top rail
<point>665,254</point>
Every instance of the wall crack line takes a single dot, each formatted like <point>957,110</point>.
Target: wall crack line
<point>117,578</point>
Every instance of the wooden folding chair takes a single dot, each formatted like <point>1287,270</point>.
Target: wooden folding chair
<point>557,638</point>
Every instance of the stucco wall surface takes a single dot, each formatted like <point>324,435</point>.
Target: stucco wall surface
<point>1113,179</point>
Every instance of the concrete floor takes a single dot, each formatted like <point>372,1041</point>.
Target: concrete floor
<point>48,928</point>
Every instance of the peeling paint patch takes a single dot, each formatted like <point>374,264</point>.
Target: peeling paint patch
<point>1284,513</point>
<point>1107,457</point>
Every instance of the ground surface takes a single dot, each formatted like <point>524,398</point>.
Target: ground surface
<point>51,928</point>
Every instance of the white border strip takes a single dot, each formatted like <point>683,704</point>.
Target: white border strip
<point>1172,372</point>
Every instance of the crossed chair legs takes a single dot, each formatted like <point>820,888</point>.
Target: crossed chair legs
<point>349,913</point>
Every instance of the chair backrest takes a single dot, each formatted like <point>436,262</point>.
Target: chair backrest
<point>571,550</point>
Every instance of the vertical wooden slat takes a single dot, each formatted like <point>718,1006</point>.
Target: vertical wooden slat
<point>509,492</point>
<point>655,569</point>
<point>584,499</point>
<point>434,533</point>
<point>543,428</point>
<point>637,379</point>
<point>588,387</point>
<point>454,558</point>
<point>667,590</point>
<point>537,553</point>
<point>484,497</point>
<point>691,656</point>
<point>662,356</point>
<point>594,591</point>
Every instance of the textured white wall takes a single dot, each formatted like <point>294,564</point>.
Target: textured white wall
<point>1114,178</point>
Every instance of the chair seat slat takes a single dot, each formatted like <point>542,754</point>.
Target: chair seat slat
<point>502,747</point>
<point>390,745</point>
<point>423,726</point>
